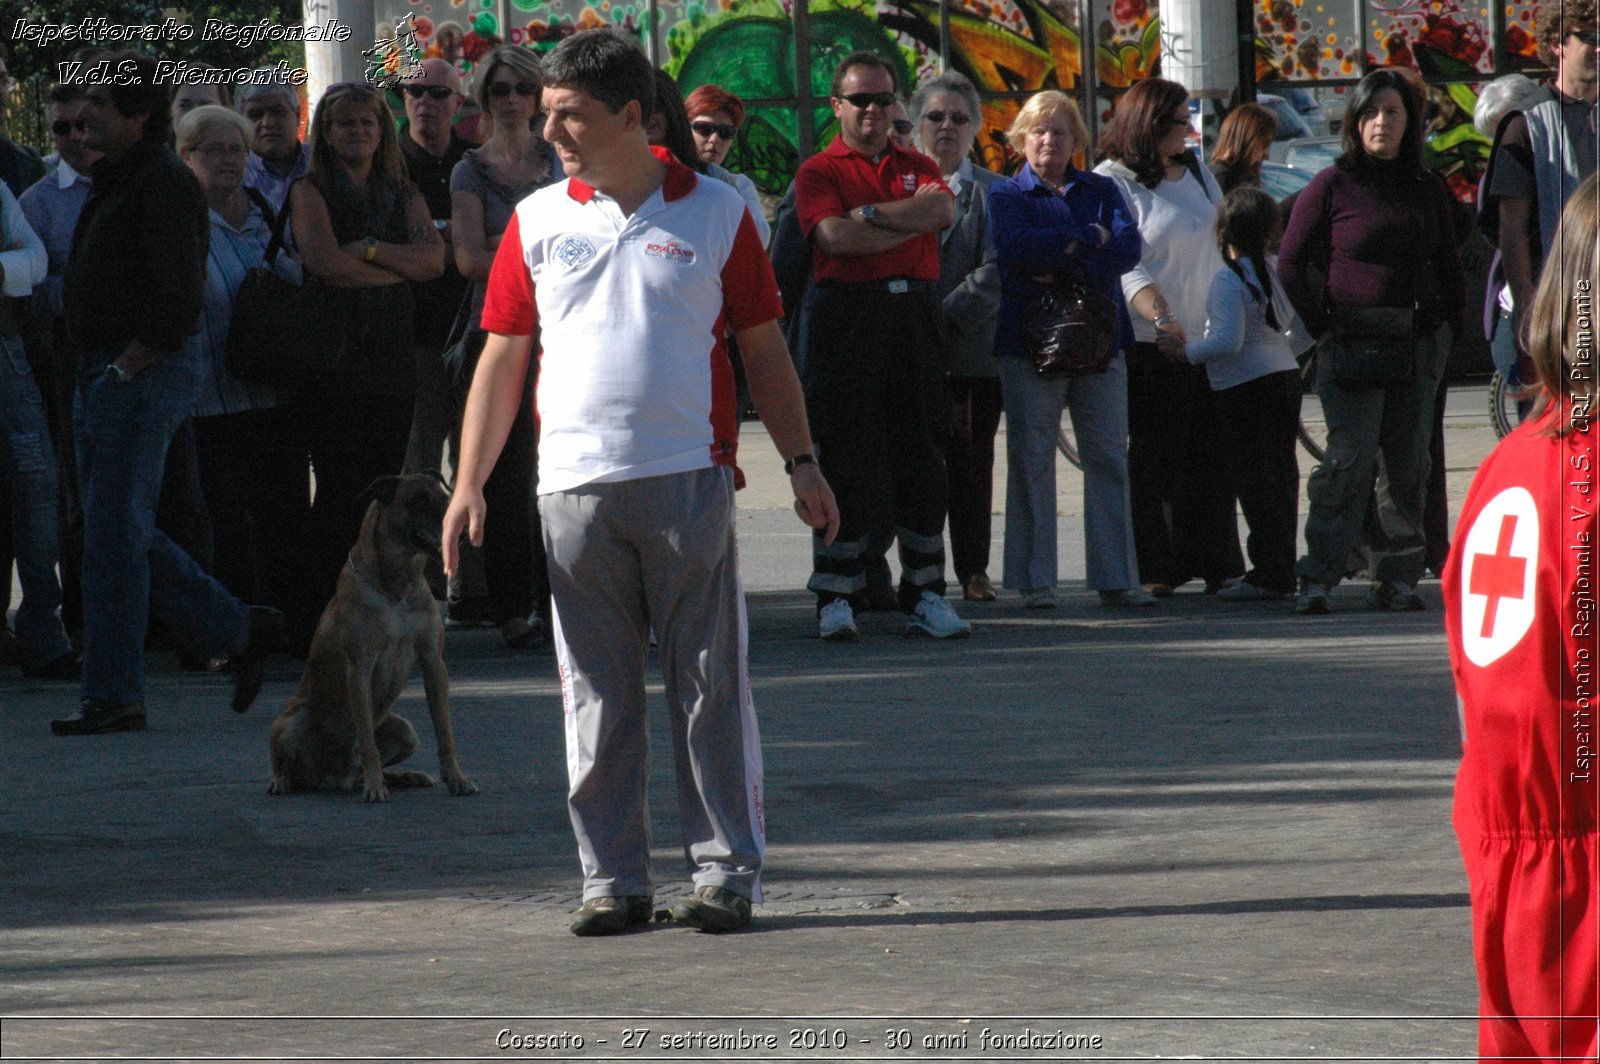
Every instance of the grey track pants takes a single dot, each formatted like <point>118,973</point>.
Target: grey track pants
<point>625,557</point>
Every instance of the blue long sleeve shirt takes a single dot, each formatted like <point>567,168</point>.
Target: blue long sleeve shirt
<point>1032,227</point>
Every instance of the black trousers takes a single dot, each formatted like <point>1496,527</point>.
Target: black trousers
<point>1183,510</point>
<point>514,564</point>
<point>1256,423</point>
<point>875,396</point>
<point>974,405</point>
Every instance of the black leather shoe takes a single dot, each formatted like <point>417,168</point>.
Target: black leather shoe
<point>68,666</point>
<point>249,665</point>
<point>96,716</point>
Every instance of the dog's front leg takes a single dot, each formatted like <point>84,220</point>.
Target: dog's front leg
<point>358,689</point>
<point>436,684</point>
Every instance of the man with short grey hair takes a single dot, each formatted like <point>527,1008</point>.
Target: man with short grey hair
<point>277,156</point>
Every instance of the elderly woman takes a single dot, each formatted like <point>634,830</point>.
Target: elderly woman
<point>365,230</point>
<point>1242,146</point>
<point>1518,588</point>
<point>1050,219</point>
<point>715,118</point>
<point>945,114</point>
<point>1375,230</point>
<point>1183,513</point>
<point>253,469</point>
<point>485,188</point>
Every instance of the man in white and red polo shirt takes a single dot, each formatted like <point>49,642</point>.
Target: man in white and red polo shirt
<point>630,272</point>
<point>874,382</point>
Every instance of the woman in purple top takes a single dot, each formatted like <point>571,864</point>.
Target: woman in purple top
<point>1374,230</point>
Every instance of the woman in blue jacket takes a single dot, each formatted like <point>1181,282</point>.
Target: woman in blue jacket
<point>1048,218</point>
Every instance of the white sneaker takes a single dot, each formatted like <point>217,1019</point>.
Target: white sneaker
<point>837,622</point>
<point>935,616</point>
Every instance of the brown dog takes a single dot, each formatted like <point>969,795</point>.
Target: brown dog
<point>382,620</point>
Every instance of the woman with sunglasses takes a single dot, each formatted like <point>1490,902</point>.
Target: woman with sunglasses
<point>485,188</point>
<point>364,229</point>
<point>1183,511</point>
<point>715,118</point>
<point>1376,230</point>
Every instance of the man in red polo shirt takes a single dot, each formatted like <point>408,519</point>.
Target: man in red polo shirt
<point>873,212</point>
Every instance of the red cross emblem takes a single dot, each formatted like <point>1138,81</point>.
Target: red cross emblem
<point>1499,575</point>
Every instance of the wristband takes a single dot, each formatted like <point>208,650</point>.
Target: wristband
<point>1163,319</point>
<point>798,460</point>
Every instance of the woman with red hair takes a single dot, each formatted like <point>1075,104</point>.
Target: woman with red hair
<point>715,116</point>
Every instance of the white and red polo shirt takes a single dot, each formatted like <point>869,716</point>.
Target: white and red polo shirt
<point>631,311</point>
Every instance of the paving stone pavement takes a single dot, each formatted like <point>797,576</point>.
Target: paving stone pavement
<point>1205,829</point>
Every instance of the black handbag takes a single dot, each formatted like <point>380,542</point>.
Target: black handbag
<point>1371,348</point>
<point>1070,329</point>
<point>462,348</point>
<point>283,334</point>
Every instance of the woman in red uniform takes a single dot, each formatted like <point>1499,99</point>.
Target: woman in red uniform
<point>1520,610</point>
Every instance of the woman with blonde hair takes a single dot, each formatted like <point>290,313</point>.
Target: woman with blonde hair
<point>1049,221</point>
<point>1519,609</point>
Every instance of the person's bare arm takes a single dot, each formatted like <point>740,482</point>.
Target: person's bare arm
<point>491,408</point>
<point>1517,253</point>
<point>1150,304</point>
<point>421,257</point>
<point>319,250</point>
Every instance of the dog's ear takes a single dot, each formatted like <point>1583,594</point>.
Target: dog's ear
<point>380,490</point>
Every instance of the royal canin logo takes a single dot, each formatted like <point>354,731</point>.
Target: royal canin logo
<point>672,251</point>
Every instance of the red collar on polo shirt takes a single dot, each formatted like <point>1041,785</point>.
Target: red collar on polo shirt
<point>678,183</point>
<point>839,147</point>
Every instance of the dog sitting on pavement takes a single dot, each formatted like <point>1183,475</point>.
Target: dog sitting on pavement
<point>340,726</point>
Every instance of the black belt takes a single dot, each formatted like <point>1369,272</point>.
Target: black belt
<point>895,286</point>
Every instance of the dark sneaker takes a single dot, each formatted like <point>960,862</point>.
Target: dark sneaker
<point>262,634</point>
<point>96,716</point>
<point>1394,595</point>
<point>611,915</point>
<point>713,909</point>
<point>1312,597</point>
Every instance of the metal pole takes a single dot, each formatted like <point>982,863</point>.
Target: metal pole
<point>1246,12</point>
<point>652,47</point>
<point>802,72</point>
<point>1089,78</point>
<point>944,35</point>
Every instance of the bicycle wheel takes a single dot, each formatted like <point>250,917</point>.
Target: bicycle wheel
<point>1312,430</point>
<point>1065,443</point>
<point>1504,411</point>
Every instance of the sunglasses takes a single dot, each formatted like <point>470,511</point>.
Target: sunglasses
<point>499,90</point>
<point>62,127</point>
<point>707,129</point>
<point>437,92</point>
<point>1591,37</point>
<point>957,118</point>
<point>902,126</point>
<point>864,100</point>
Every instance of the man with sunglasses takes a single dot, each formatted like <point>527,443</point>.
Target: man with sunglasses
<point>1542,154</point>
<point>873,212</point>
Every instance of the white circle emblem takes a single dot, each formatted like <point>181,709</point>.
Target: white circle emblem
<point>1497,573</point>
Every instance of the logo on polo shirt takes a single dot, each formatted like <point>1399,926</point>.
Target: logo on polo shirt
<point>909,181</point>
<point>672,251</point>
<point>573,251</point>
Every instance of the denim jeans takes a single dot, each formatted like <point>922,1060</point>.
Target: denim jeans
<point>130,567</point>
<point>28,472</point>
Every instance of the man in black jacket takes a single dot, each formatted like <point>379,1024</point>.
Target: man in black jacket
<point>132,291</point>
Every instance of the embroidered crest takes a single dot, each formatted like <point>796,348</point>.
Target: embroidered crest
<point>909,181</point>
<point>573,251</point>
<point>672,251</point>
<point>1497,601</point>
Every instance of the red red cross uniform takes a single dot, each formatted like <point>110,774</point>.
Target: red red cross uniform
<point>1520,612</point>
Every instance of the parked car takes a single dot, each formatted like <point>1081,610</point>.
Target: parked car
<point>1306,153</point>
<point>1280,182</point>
<point>1290,125</point>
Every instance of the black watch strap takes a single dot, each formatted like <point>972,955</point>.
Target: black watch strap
<point>798,460</point>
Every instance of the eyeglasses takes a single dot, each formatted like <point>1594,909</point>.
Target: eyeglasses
<point>957,118</point>
<point>707,128</point>
<point>223,151</point>
<point>499,90</point>
<point>863,100</point>
<point>1591,37</point>
<point>62,127</point>
<point>1171,122</point>
<point>441,92</point>
<point>902,126</point>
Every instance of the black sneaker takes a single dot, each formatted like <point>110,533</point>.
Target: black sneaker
<point>262,635</point>
<point>713,909</point>
<point>96,716</point>
<point>611,915</point>
<point>1394,595</point>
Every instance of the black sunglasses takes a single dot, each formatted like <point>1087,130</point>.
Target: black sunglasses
<point>434,92</point>
<point>1589,37</point>
<point>706,128</point>
<point>501,89</point>
<point>902,126</point>
<point>958,118</point>
<point>62,127</point>
<point>864,100</point>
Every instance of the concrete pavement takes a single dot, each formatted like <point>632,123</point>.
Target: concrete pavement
<point>1205,829</point>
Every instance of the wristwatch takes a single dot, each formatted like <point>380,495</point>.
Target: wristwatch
<point>369,249</point>
<point>869,214</point>
<point>798,460</point>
